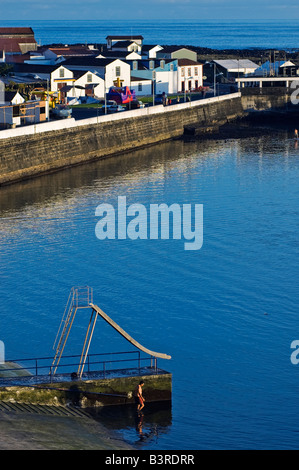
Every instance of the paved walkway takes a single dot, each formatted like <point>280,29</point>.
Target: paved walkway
<point>48,428</point>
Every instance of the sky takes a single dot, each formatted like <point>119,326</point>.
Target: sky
<point>148,9</point>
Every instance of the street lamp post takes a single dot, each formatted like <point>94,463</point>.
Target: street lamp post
<point>154,86</point>
<point>105,93</point>
<point>153,80</point>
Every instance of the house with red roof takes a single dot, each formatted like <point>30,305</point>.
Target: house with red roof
<point>17,40</point>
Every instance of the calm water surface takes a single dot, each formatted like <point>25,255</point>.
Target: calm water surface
<point>227,313</point>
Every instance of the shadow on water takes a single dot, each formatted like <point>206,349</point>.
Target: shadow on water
<point>139,430</point>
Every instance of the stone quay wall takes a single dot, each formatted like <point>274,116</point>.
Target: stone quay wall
<point>44,148</point>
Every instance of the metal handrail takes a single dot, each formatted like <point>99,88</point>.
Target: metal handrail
<point>37,367</point>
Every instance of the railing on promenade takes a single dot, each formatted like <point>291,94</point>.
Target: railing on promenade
<point>41,367</point>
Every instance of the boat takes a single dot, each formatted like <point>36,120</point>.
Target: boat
<point>62,111</point>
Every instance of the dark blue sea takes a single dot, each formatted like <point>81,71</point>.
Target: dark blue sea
<point>217,34</point>
<point>227,313</point>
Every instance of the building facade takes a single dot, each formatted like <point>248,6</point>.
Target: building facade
<point>190,75</point>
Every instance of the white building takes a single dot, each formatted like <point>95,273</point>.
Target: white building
<point>92,85</point>
<point>117,54</point>
<point>75,84</point>
<point>165,81</point>
<point>13,97</point>
<point>150,51</point>
<point>234,68</point>
<point>128,46</point>
<point>61,77</point>
<point>112,40</point>
<point>163,75</point>
<point>190,75</point>
<point>141,85</point>
<point>115,72</point>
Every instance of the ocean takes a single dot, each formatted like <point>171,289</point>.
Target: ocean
<point>234,34</point>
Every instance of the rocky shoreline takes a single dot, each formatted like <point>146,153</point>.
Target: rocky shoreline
<point>206,54</point>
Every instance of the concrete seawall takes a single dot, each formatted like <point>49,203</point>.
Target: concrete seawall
<point>90,393</point>
<point>256,100</point>
<point>49,147</point>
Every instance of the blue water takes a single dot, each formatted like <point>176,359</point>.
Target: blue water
<point>226,313</point>
<point>225,34</point>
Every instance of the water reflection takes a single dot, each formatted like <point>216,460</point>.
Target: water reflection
<point>125,170</point>
<point>141,430</point>
<point>146,167</point>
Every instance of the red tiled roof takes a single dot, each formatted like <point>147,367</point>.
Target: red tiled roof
<point>13,44</point>
<point>71,51</point>
<point>20,31</point>
<point>187,62</point>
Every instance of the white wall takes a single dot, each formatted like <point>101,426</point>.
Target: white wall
<point>18,99</point>
<point>153,52</point>
<point>186,77</point>
<point>68,74</point>
<point>125,73</point>
<point>72,123</point>
<point>166,81</point>
<point>82,81</point>
<point>146,87</point>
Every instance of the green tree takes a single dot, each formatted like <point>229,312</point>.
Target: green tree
<point>5,69</point>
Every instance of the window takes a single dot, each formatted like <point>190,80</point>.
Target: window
<point>183,71</point>
<point>117,71</point>
<point>162,64</point>
<point>152,64</point>
<point>171,67</point>
<point>61,73</point>
<point>189,72</point>
<point>42,110</point>
<point>135,65</point>
<point>139,86</point>
<point>89,78</point>
<point>195,71</point>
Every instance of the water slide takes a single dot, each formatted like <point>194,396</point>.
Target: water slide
<point>82,298</point>
<point>126,335</point>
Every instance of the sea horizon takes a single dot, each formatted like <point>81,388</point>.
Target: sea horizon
<point>214,34</point>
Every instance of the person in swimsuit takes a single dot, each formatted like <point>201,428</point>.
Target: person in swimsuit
<point>139,400</point>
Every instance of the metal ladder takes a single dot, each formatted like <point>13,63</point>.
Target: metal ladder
<point>79,297</point>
